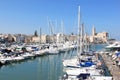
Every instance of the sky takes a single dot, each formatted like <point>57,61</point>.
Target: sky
<point>26,16</point>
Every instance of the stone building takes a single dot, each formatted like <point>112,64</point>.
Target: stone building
<point>60,38</point>
<point>43,39</point>
<point>72,38</point>
<point>101,37</point>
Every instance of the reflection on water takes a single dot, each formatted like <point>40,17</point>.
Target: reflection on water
<point>48,67</point>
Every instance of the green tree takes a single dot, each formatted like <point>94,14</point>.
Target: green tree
<point>72,33</point>
<point>35,33</point>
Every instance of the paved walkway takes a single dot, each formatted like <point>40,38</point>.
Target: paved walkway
<point>114,70</point>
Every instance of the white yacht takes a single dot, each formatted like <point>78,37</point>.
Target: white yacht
<point>53,50</point>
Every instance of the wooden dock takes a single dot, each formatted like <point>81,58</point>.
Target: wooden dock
<point>112,67</point>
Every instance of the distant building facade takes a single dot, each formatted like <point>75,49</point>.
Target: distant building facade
<point>72,38</point>
<point>101,37</point>
<point>20,38</point>
<point>60,38</point>
<point>38,39</point>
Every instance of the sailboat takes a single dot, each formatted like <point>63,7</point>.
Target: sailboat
<point>53,49</point>
<point>82,67</point>
<point>75,62</point>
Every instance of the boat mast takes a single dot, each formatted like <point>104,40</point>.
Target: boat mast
<point>40,36</point>
<point>82,38</point>
<point>78,41</point>
<point>51,31</point>
<point>62,30</point>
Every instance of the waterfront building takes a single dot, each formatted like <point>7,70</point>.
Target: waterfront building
<point>42,39</point>
<point>60,38</point>
<point>72,38</point>
<point>20,38</point>
<point>101,37</point>
<point>1,36</point>
<point>11,38</point>
<point>28,39</point>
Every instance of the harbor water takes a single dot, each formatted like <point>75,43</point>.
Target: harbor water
<point>47,67</point>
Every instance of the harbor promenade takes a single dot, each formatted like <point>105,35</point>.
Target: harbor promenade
<point>112,67</point>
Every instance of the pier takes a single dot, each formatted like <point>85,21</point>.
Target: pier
<point>112,67</point>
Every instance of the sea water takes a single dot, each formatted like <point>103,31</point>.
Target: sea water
<point>47,67</point>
